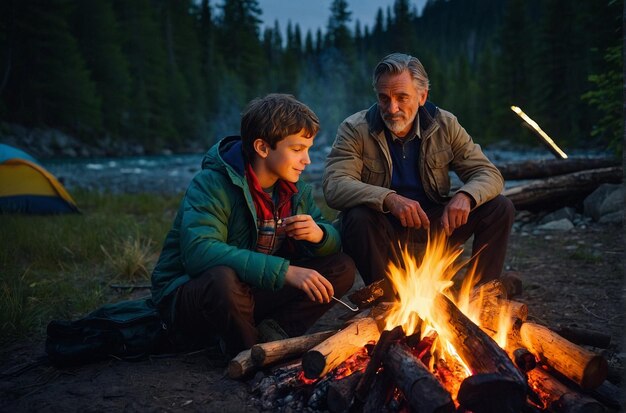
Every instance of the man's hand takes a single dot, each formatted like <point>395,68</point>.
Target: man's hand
<point>409,212</point>
<point>317,287</point>
<point>303,228</point>
<point>456,212</point>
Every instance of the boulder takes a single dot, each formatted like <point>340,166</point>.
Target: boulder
<point>607,199</point>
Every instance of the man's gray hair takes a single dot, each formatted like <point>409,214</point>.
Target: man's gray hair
<point>396,63</point>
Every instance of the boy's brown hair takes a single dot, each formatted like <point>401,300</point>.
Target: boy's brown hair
<point>274,117</point>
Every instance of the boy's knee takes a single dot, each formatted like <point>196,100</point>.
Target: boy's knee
<point>346,270</point>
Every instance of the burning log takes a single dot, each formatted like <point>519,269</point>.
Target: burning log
<point>557,191</point>
<point>341,392</point>
<point>264,354</point>
<point>241,365</point>
<point>524,359</point>
<point>561,398</point>
<point>380,393</point>
<point>490,312</point>
<point>420,387</point>
<point>543,168</point>
<point>385,341</point>
<point>334,350</point>
<point>582,366</point>
<point>491,366</point>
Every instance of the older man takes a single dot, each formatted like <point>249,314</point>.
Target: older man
<point>388,174</point>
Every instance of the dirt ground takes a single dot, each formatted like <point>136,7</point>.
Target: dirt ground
<point>572,278</point>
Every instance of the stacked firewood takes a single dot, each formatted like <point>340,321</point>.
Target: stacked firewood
<point>365,368</point>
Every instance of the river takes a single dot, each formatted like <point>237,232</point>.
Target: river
<point>170,174</point>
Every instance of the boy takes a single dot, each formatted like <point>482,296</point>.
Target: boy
<point>248,243</point>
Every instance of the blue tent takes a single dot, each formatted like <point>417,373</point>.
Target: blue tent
<point>27,187</point>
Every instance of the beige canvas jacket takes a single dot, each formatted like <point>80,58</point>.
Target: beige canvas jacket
<point>358,169</point>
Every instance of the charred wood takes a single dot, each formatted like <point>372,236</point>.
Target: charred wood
<point>543,168</point>
<point>584,337</point>
<point>385,341</point>
<point>559,397</point>
<point>489,363</point>
<point>491,393</point>
<point>580,365</point>
<point>334,350</point>
<point>609,394</point>
<point>264,354</point>
<point>341,392</point>
<point>371,293</point>
<point>524,359</point>
<point>423,392</point>
<point>552,193</point>
<point>379,396</point>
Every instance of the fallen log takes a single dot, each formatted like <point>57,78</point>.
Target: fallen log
<point>555,192</point>
<point>241,365</point>
<point>423,392</point>
<point>264,354</point>
<point>560,398</point>
<point>334,350</point>
<point>580,365</point>
<point>543,168</point>
<point>490,365</point>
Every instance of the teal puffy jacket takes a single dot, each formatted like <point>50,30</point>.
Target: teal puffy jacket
<point>216,225</point>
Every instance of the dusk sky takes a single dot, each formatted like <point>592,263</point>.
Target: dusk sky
<point>313,14</point>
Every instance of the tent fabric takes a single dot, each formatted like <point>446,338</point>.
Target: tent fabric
<point>27,187</point>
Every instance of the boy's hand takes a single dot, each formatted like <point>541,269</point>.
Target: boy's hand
<point>303,227</point>
<point>314,284</point>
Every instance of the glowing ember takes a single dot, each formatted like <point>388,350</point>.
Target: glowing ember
<point>304,379</point>
<point>547,139</point>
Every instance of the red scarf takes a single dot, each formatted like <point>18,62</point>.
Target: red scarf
<point>270,233</point>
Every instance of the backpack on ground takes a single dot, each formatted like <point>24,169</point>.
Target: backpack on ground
<point>127,330</point>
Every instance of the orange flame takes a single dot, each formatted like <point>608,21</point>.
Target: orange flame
<point>417,284</point>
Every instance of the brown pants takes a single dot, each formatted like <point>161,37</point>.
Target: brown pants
<point>371,238</point>
<point>218,303</point>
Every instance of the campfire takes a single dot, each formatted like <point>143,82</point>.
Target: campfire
<point>432,350</point>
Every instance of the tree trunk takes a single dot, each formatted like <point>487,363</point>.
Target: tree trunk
<point>334,350</point>
<point>264,354</point>
<point>558,191</point>
<point>544,168</point>
<point>582,366</point>
<point>423,392</point>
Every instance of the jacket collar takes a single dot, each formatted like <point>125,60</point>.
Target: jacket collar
<point>426,116</point>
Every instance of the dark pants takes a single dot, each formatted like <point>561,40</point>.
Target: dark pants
<point>218,303</point>
<point>372,238</point>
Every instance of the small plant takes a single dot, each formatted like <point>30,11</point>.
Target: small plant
<point>18,309</point>
<point>131,260</point>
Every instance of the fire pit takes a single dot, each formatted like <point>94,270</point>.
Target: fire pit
<point>432,350</point>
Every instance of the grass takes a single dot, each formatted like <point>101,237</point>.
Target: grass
<point>62,266</point>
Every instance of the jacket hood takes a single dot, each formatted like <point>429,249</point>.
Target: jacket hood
<point>426,113</point>
<point>226,156</point>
